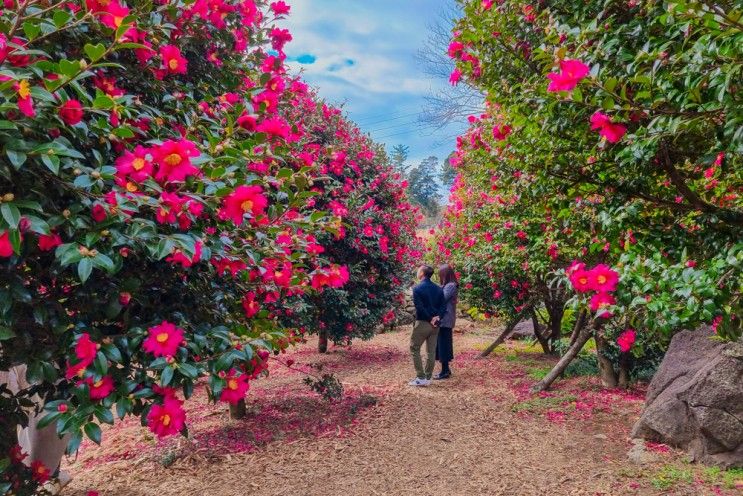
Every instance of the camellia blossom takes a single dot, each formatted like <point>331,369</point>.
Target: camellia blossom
<point>100,389</point>
<point>40,472</point>
<point>135,165</point>
<point>580,278</point>
<point>25,103</point>
<point>48,242</point>
<point>174,160</point>
<point>626,340</point>
<point>85,349</point>
<point>6,247</point>
<point>607,129</point>
<point>501,131</point>
<point>173,61</point>
<point>163,339</point>
<point>235,388</point>
<point>603,278</point>
<point>600,301</point>
<point>571,72</point>
<point>167,419</point>
<point>71,112</point>
<point>244,200</point>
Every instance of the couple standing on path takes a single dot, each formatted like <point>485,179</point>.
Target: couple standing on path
<point>435,314</point>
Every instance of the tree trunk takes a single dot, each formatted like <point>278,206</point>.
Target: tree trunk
<point>579,323</point>
<point>322,343</point>
<point>624,371</point>
<point>502,337</point>
<point>238,410</point>
<point>606,368</point>
<point>543,341</point>
<point>584,334</point>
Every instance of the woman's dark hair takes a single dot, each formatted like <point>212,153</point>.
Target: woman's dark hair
<point>447,275</point>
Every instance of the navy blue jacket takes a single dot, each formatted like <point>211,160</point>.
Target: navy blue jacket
<point>429,302</point>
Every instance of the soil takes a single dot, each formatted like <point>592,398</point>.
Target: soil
<point>479,432</point>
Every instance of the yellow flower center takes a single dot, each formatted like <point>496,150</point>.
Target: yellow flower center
<point>165,420</point>
<point>162,337</point>
<point>24,91</point>
<point>601,279</point>
<point>583,280</point>
<point>98,384</point>
<point>247,205</point>
<point>131,187</point>
<point>173,64</point>
<point>138,163</point>
<point>173,159</point>
<point>232,384</point>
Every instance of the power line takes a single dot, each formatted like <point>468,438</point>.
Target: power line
<point>382,121</point>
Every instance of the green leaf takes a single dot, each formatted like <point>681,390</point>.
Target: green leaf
<point>69,67</point>
<point>6,333</point>
<point>16,158</point>
<point>11,214</point>
<point>84,268</point>
<point>104,102</point>
<point>167,376</point>
<point>93,431</point>
<point>60,18</point>
<point>94,52</point>
<point>31,29</point>
<point>51,162</point>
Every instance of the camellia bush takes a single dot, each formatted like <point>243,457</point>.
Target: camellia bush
<point>376,245</point>
<point>626,121</point>
<point>156,202</point>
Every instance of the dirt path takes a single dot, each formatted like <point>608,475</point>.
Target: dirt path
<point>477,433</point>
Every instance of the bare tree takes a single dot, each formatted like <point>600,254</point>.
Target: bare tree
<point>452,103</point>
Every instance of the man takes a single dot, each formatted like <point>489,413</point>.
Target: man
<point>430,307</point>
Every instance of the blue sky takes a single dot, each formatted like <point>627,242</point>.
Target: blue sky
<point>361,54</point>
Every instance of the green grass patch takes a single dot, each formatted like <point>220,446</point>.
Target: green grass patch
<point>538,373</point>
<point>671,476</point>
<point>538,405</point>
<point>729,479</point>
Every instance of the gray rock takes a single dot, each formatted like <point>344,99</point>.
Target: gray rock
<point>523,330</point>
<point>695,400</point>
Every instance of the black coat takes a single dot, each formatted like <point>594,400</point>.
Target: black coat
<point>428,299</point>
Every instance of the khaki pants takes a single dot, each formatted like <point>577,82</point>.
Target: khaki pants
<point>40,444</point>
<point>423,332</point>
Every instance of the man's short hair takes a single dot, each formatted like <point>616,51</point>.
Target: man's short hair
<point>427,271</point>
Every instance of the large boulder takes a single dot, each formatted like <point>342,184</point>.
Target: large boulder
<point>695,400</point>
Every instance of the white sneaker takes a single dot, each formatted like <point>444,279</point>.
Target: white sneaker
<point>419,382</point>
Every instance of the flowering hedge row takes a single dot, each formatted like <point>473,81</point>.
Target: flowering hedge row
<point>613,135</point>
<point>158,197</point>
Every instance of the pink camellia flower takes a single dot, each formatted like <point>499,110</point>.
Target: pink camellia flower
<point>275,126</point>
<point>607,129</point>
<point>280,8</point>
<point>6,247</point>
<point>580,278</point>
<point>244,200</point>
<point>174,160</point>
<point>571,72</point>
<point>163,339</point>
<point>136,165</point>
<point>167,419</point>
<point>626,340</point>
<point>71,112</point>
<point>603,278</point>
<point>48,242</point>
<point>173,61</point>
<point>600,301</point>
<point>235,388</point>
<point>455,77</point>
<point>501,131</point>
<point>100,389</point>
<point>25,103</point>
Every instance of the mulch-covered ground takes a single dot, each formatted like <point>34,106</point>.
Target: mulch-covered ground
<point>480,432</point>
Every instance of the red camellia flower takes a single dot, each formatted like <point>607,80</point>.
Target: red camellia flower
<point>174,160</point>
<point>167,419</point>
<point>86,349</point>
<point>571,72</point>
<point>244,200</point>
<point>6,247</point>
<point>48,242</point>
<point>173,61</point>
<point>100,389</point>
<point>163,340</point>
<point>501,132</point>
<point>603,278</point>
<point>607,129</point>
<point>626,340</point>
<point>98,212</point>
<point>600,301</point>
<point>39,472</point>
<point>235,388</point>
<point>250,305</point>
<point>280,8</point>
<point>16,454</point>
<point>136,165</point>
<point>71,112</point>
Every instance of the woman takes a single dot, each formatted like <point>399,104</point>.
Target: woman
<point>445,343</point>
